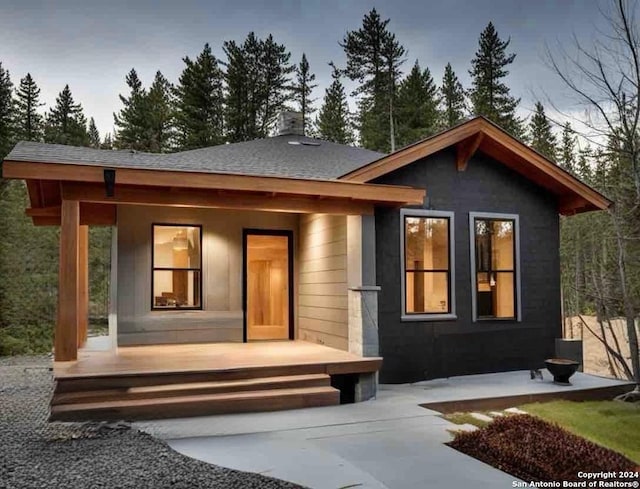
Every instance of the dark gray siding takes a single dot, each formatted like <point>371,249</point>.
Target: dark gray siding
<point>415,351</point>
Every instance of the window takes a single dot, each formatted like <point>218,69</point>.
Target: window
<point>495,266</point>
<point>177,267</point>
<point>427,265</point>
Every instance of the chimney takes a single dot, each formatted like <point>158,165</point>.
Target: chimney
<point>290,123</point>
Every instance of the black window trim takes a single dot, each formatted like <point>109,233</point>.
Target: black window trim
<point>493,216</point>
<point>153,268</point>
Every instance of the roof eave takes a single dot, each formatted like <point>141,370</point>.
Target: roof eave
<point>576,196</point>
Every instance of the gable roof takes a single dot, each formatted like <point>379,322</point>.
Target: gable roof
<point>480,134</point>
<point>287,156</point>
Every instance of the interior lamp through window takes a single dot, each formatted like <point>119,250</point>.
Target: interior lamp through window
<point>180,242</point>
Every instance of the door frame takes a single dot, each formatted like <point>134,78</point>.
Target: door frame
<point>246,232</point>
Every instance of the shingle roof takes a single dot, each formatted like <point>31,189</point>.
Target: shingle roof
<point>283,156</point>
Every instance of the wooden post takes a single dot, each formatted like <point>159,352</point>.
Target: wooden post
<point>83,286</point>
<point>66,336</point>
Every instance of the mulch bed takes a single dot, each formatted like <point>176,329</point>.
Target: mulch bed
<point>534,450</point>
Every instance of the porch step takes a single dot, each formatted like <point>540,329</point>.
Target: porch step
<point>191,389</point>
<point>198,405</point>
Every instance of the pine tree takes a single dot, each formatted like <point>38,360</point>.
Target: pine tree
<point>107,142</point>
<point>453,102</point>
<point>65,123</point>
<point>242,80</point>
<point>583,167</point>
<point>277,71</point>
<point>159,116</point>
<point>490,96</point>
<point>374,57</point>
<point>541,136</point>
<point>131,121</point>
<point>567,153</point>
<point>28,122</point>
<point>302,89</point>
<point>417,106</point>
<point>6,112</point>
<point>333,122</point>
<point>94,135</point>
<point>258,82</point>
<point>199,102</point>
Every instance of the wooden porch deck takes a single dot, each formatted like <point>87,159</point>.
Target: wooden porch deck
<point>144,382</point>
<point>212,357</point>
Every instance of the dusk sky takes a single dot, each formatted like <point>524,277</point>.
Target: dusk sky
<point>92,45</point>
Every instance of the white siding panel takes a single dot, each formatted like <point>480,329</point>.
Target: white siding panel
<point>322,281</point>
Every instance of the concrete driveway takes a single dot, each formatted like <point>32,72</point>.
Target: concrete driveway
<point>390,442</point>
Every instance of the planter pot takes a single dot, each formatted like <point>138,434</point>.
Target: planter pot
<point>561,369</point>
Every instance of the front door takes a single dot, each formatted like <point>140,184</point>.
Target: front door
<point>268,288</point>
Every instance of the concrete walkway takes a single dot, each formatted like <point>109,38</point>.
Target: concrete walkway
<point>390,442</point>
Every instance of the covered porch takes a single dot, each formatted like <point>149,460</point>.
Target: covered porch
<point>327,359</point>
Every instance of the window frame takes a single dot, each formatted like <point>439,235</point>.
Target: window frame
<point>516,264</point>
<point>426,316</point>
<point>154,268</point>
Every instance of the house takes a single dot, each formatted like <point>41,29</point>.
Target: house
<point>439,259</point>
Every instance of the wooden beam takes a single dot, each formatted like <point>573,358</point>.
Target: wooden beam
<point>390,194</point>
<point>499,145</point>
<point>465,150</point>
<point>34,188</point>
<point>46,221</point>
<point>66,334</point>
<point>51,211</point>
<point>83,285</point>
<point>413,153</point>
<point>91,214</point>
<point>211,199</point>
<point>555,172</point>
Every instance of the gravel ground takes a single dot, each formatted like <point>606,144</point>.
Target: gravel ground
<point>38,454</point>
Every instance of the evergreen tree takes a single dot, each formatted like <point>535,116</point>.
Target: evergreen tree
<point>132,120</point>
<point>258,82</point>
<point>333,122</point>
<point>583,166</point>
<point>490,96</point>
<point>6,112</point>
<point>199,102</point>
<point>567,156</point>
<point>94,135</point>
<point>453,103</point>
<point>66,123</point>
<point>374,57</point>
<point>159,116</point>
<point>302,91</point>
<point>107,142</point>
<point>417,106</point>
<point>541,136</point>
<point>277,71</point>
<point>28,122</point>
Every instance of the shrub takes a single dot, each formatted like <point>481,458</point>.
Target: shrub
<point>534,450</point>
<point>26,340</point>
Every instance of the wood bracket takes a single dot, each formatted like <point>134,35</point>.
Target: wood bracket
<point>466,148</point>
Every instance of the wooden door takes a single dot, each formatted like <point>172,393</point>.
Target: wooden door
<point>267,286</point>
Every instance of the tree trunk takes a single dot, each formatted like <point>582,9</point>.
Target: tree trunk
<point>628,311</point>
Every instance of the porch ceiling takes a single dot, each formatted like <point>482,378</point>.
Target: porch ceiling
<point>50,183</point>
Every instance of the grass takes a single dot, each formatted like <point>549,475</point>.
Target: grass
<point>615,425</point>
<point>465,418</point>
